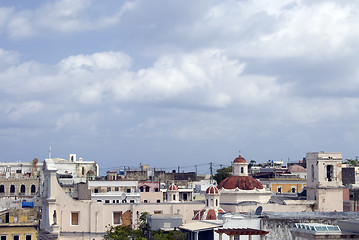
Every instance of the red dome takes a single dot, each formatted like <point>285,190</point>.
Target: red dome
<point>239,159</point>
<point>241,182</point>
<point>208,214</point>
<point>212,190</point>
<point>172,187</point>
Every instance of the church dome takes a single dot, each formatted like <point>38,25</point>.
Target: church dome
<point>241,182</point>
<point>239,159</point>
<point>208,214</point>
<point>296,168</point>
<point>172,187</point>
<point>212,190</point>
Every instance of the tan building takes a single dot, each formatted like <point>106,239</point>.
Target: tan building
<point>324,185</point>
<point>19,187</point>
<point>18,224</point>
<point>66,218</point>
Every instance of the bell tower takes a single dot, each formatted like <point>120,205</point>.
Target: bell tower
<point>324,181</point>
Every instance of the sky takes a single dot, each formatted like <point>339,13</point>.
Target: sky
<point>178,83</point>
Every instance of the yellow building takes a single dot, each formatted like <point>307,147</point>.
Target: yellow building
<point>284,185</point>
<point>18,224</point>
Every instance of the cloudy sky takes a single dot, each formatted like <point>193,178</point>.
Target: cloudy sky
<point>172,83</point>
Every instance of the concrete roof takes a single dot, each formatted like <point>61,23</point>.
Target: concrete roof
<point>200,226</point>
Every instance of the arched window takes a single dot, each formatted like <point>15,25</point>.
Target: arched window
<point>12,189</point>
<point>33,188</point>
<point>207,203</point>
<point>147,188</point>
<point>22,189</point>
<point>216,202</point>
<point>2,188</point>
<point>174,197</point>
<point>83,171</point>
<point>312,169</point>
<point>156,189</point>
<point>330,173</point>
<point>141,189</point>
<point>242,170</point>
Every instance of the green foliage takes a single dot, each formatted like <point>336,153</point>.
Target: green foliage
<point>352,162</point>
<point>143,223</point>
<point>222,174</point>
<point>171,235</point>
<point>123,233</point>
<point>127,233</point>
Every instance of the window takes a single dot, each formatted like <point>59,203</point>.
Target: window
<point>279,189</point>
<point>147,188</point>
<point>141,189</point>
<point>117,217</point>
<point>99,200</point>
<point>22,188</point>
<point>33,188</point>
<point>116,189</point>
<point>145,201</point>
<point>242,170</point>
<point>157,212</point>
<point>156,189</point>
<point>312,169</point>
<point>185,197</point>
<point>330,173</point>
<point>12,189</point>
<point>107,201</point>
<point>96,190</point>
<point>216,202</point>
<point>128,190</point>
<point>3,237</point>
<point>207,202</point>
<point>108,189</point>
<point>158,200</point>
<point>75,218</point>
<point>174,197</point>
<point>83,170</point>
<point>16,237</point>
<point>293,189</point>
<point>2,189</point>
<point>132,201</point>
<point>28,237</point>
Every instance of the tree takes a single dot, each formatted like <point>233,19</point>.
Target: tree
<point>171,235</point>
<point>352,162</point>
<point>222,173</point>
<point>127,233</point>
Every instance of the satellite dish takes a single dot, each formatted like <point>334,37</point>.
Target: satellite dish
<point>123,196</point>
<point>259,210</point>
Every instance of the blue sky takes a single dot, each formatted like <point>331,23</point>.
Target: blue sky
<point>172,83</point>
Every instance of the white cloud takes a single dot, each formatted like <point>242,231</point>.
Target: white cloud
<point>62,16</point>
<point>20,111</point>
<point>72,118</point>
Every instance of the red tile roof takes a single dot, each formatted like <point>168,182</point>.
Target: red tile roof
<point>172,187</point>
<point>241,182</point>
<point>239,159</point>
<point>212,190</point>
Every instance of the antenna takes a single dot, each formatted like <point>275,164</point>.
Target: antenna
<point>50,152</point>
